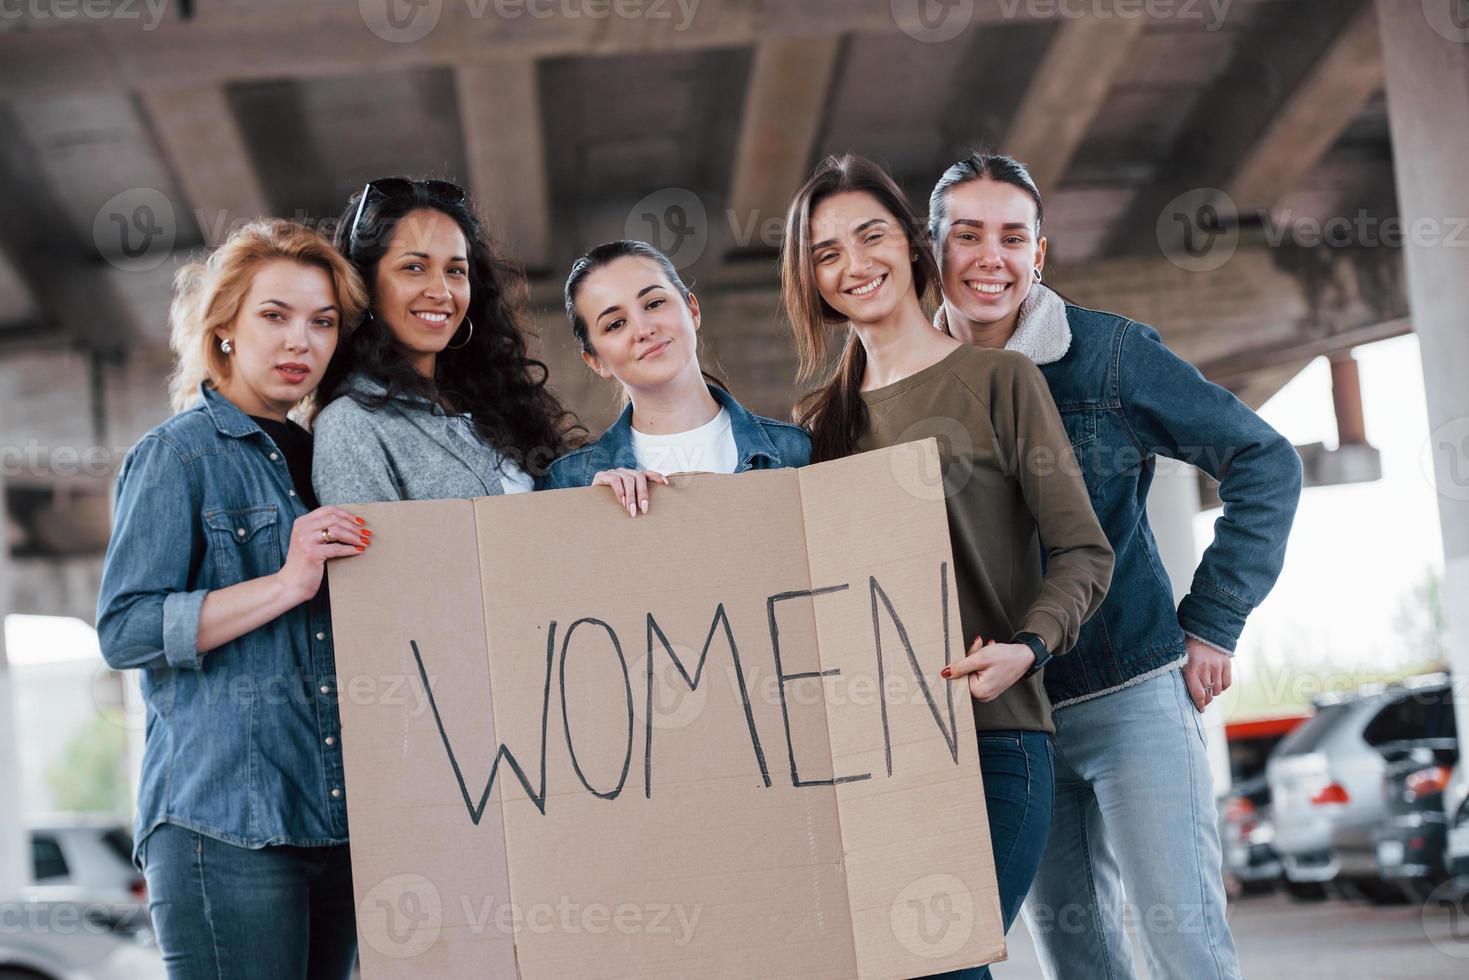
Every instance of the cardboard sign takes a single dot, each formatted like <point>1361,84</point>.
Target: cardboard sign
<point>710,741</point>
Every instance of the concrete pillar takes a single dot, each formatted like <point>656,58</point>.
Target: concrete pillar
<point>15,850</point>
<point>1173,503</point>
<point>1426,58</point>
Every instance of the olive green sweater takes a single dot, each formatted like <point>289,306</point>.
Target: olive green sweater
<point>1013,488</point>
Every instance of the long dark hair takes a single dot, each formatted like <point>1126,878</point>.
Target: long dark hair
<point>834,412</point>
<point>492,376</point>
<point>605,254</point>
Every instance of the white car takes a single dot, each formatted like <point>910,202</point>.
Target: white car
<point>59,932</point>
<point>85,851</point>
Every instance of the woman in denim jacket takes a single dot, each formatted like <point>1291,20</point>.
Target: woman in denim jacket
<point>212,587</point>
<point>434,397</point>
<point>637,322</point>
<point>1134,808</point>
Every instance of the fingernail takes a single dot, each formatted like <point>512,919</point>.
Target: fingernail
<point>360,548</point>
<point>644,505</point>
<point>366,533</point>
<point>360,521</point>
<point>945,673</point>
<point>632,511</point>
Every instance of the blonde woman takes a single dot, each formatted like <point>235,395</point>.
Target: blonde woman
<point>212,588</point>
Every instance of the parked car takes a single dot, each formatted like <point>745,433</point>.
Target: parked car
<point>1326,785</point>
<point>1246,819</point>
<point>1410,843</point>
<point>86,851</point>
<point>59,932</point>
<point>1456,815</point>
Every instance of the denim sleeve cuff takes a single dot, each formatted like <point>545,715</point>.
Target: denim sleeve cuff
<point>181,628</point>
<point>1209,615</point>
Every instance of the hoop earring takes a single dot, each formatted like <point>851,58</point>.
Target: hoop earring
<point>1037,274</point>
<point>225,347</point>
<point>466,336</point>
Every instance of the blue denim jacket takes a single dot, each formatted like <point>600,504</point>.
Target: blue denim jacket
<point>1126,398</point>
<point>761,443</point>
<point>243,742</point>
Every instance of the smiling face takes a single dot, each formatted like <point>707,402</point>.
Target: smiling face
<point>641,330</point>
<point>421,289</point>
<point>282,338</point>
<point>989,250</point>
<point>862,260</point>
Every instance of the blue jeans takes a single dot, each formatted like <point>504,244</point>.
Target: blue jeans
<point>1018,790</point>
<point>1135,817</point>
<point>223,912</point>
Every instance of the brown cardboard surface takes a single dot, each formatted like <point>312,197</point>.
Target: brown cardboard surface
<point>664,818</point>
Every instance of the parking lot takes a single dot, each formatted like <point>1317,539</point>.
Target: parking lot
<point>1280,939</point>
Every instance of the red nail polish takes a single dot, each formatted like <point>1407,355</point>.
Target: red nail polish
<point>366,533</point>
<point>360,521</point>
<point>360,548</point>
<point>945,673</point>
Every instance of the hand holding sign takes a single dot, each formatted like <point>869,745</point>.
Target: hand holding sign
<point>991,667</point>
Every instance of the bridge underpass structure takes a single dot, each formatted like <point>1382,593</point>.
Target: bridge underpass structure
<point>1265,188</point>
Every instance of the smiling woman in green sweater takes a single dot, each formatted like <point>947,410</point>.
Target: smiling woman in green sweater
<point>855,259</point>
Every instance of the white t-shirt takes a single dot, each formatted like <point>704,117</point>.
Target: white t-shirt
<point>708,449</point>
<point>513,479</point>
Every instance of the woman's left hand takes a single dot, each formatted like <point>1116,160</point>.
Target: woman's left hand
<point>991,667</point>
<point>630,487</point>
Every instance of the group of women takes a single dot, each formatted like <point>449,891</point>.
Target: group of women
<point>402,345</point>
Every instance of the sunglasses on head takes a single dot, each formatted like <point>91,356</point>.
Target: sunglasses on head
<point>442,190</point>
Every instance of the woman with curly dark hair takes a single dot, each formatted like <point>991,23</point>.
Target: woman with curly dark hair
<point>434,397</point>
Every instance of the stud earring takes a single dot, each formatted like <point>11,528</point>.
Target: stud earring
<point>226,347</point>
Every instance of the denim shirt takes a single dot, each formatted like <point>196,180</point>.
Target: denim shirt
<point>1125,398</point>
<point>243,742</point>
<point>760,443</point>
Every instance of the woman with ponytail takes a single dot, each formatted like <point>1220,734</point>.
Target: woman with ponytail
<point>1134,810</point>
<point>637,322</point>
<point>855,262</point>
<point>212,588</point>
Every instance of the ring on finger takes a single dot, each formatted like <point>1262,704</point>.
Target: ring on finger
<point>326,535</point>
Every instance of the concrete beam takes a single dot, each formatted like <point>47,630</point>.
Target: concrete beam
<point>285,38</point>
<point>198,134</point>
<point>1332,92</point>
<point>500,117</point>
<point>1067,90</point>
<point>1235,123</point>
<point>784,105</point>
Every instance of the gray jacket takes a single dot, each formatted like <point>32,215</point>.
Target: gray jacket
<point>408,450</point>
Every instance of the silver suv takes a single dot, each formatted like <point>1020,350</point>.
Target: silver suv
<point>1326,785</point>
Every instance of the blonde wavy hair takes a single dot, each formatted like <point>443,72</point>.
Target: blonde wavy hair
<point>207,296</point>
